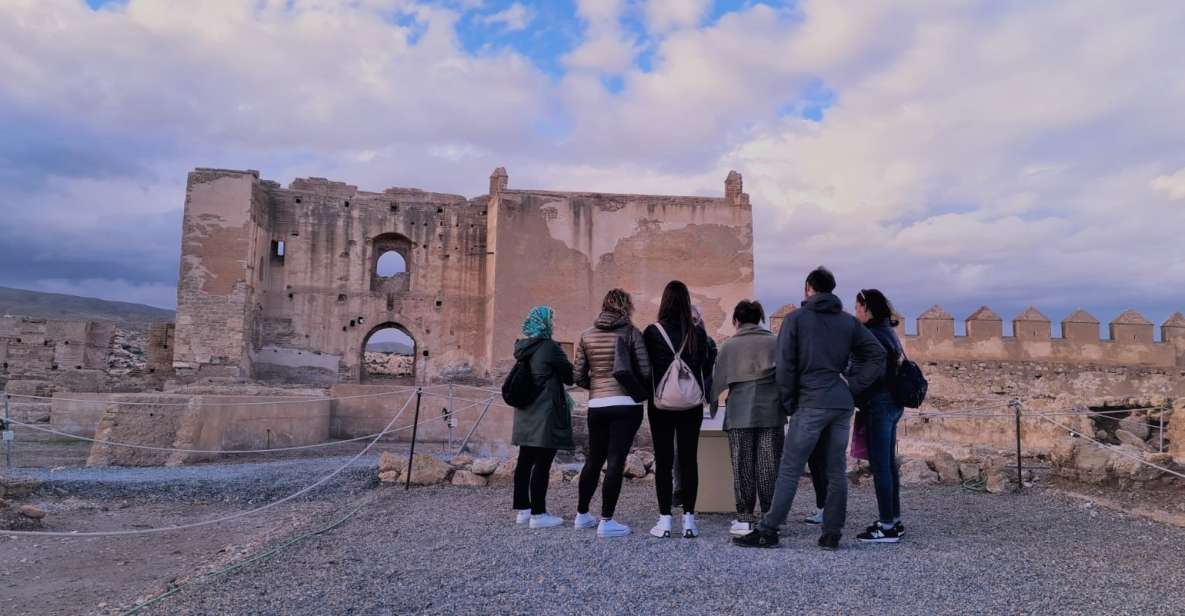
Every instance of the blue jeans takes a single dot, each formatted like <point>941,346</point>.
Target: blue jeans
<point>807,429</point>
<point>882,417</point>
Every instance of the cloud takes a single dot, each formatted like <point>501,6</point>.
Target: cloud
<point>1172,185</point>
<point>954,152</point>
<point>666,15</point>
<point>511,19</point>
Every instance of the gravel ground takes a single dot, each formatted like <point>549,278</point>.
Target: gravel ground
<point>453,550</point>
<point>246,482</point>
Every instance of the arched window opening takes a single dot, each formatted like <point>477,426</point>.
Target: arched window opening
<point>389,354</point>
<point>390,263</point>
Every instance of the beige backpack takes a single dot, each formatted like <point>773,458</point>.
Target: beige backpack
<point>678,389</point>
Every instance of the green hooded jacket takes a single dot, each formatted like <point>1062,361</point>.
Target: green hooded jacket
<point>546,422</point>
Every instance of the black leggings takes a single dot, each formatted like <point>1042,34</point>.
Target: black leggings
<point>531,475</point>
<point>818,465</point>
<point>611,432</point>
<point>667,427</point>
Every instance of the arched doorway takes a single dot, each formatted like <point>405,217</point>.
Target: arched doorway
<point>389,355</point>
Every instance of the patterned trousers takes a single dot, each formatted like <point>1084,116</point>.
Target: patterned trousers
<point>756,453</point>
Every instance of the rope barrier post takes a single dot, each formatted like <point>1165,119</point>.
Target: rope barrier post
<point>477,423</point>
<point>1161,414</point>
<point>6,433</point>
<point>450,420</point>
<point>415,427</point>
<point>1020,471</point>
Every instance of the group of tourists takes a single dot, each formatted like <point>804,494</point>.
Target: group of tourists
<point>788,404</point>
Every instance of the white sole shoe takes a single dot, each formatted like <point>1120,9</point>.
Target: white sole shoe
<point>587,522</point>
<point>545,521</point>
<point>522,517</point>
<point>659,533</point>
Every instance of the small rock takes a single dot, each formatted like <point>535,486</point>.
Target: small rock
<point>647,459</point>
<point>31,512</point>
<point>390,462</point>
<point>427,470</point>
<point>484,466</point>
<point>390,476</point>
<point>1127,438</point>
<point>469,478</point>
<point>634,468</point>
<point>556,477</point>
<point>969,471</point>
<point>997,483</point>
<point>504,474</point>
<point>917,472</point>
<point>1136,425</point>
<point>947,467</point>
<point>461,461</point>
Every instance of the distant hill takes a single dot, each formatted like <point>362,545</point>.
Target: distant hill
<point>397,348</point>
<point>19,302</point>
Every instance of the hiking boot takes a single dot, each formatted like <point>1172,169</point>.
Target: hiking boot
<point>759,538</point>
<point>878,533</point>
<point>829,541</point>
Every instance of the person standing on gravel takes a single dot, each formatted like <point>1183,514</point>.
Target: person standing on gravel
<point>614,415</point>
<point>816,346</point>
<point>753,416</point>
<point>544,426</point>
<point>677,335</point>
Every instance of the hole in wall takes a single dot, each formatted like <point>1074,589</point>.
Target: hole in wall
<point>388,354</point>
<point>298,199</point>
<point>341,297</point>
<point>389,264</point>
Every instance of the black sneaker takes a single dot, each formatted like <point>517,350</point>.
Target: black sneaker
<point>900,529</point>
<point>878,534</point>
<point>829,541</point>
<point>759,538</point>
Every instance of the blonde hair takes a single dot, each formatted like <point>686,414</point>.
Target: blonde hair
<point>618,301</point>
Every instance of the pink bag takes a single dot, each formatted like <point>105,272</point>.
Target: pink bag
<point>860,436</point>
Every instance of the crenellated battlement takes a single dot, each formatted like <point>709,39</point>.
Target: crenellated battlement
<point>1131,340</point>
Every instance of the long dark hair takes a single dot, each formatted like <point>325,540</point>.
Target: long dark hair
<point>877,304</point>
<point>676,307</point>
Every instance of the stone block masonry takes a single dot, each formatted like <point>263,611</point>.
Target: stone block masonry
<point>284,285</point>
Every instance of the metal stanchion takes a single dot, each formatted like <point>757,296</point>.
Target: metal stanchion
<point>414,429</point>
<point>1020,470</point>
<point>6,433</point>
<point>477,423</point>
<point>1161,415</point>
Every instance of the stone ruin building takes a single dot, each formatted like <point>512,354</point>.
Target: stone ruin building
<point>282,284</point>
<point>280,290</point>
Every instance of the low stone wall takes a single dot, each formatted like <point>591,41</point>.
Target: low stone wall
<point>207,422</point>
<point>78,413</point>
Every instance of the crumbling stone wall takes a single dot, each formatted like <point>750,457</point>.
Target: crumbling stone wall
<point>281,284</point>
<point>567,249</point>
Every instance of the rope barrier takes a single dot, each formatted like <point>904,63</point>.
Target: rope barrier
<point>226,451</point>
<point>1117,450</point>
<point>226,518</point>
<point>404,389</point>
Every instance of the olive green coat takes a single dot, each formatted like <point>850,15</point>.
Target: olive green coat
<point>546,422</point>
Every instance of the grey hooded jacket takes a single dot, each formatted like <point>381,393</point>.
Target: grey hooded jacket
<point>815,347</point>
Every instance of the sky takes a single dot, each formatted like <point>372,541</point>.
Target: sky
<point>952,152</point>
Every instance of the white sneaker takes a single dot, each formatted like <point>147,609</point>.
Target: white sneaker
<point>689,529</point>
<point>739,528</point>
<point>817,518</point>
<point>584,520</point>
<point>522,516</point>
<point>609,528</point>
<point>662,529</point>
<point>545,520</point>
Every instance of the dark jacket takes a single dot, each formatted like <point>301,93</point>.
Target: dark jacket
<point>547,422</point>
<point>883,331</point>
<point>700,362</point>
<point>815,347</point>
<point>595,352</point>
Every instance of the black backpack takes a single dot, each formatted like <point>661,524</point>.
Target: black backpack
<point>909,385</point>
<point>519,390</point>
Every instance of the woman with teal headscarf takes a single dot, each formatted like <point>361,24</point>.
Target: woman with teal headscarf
<point>544,426</point>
